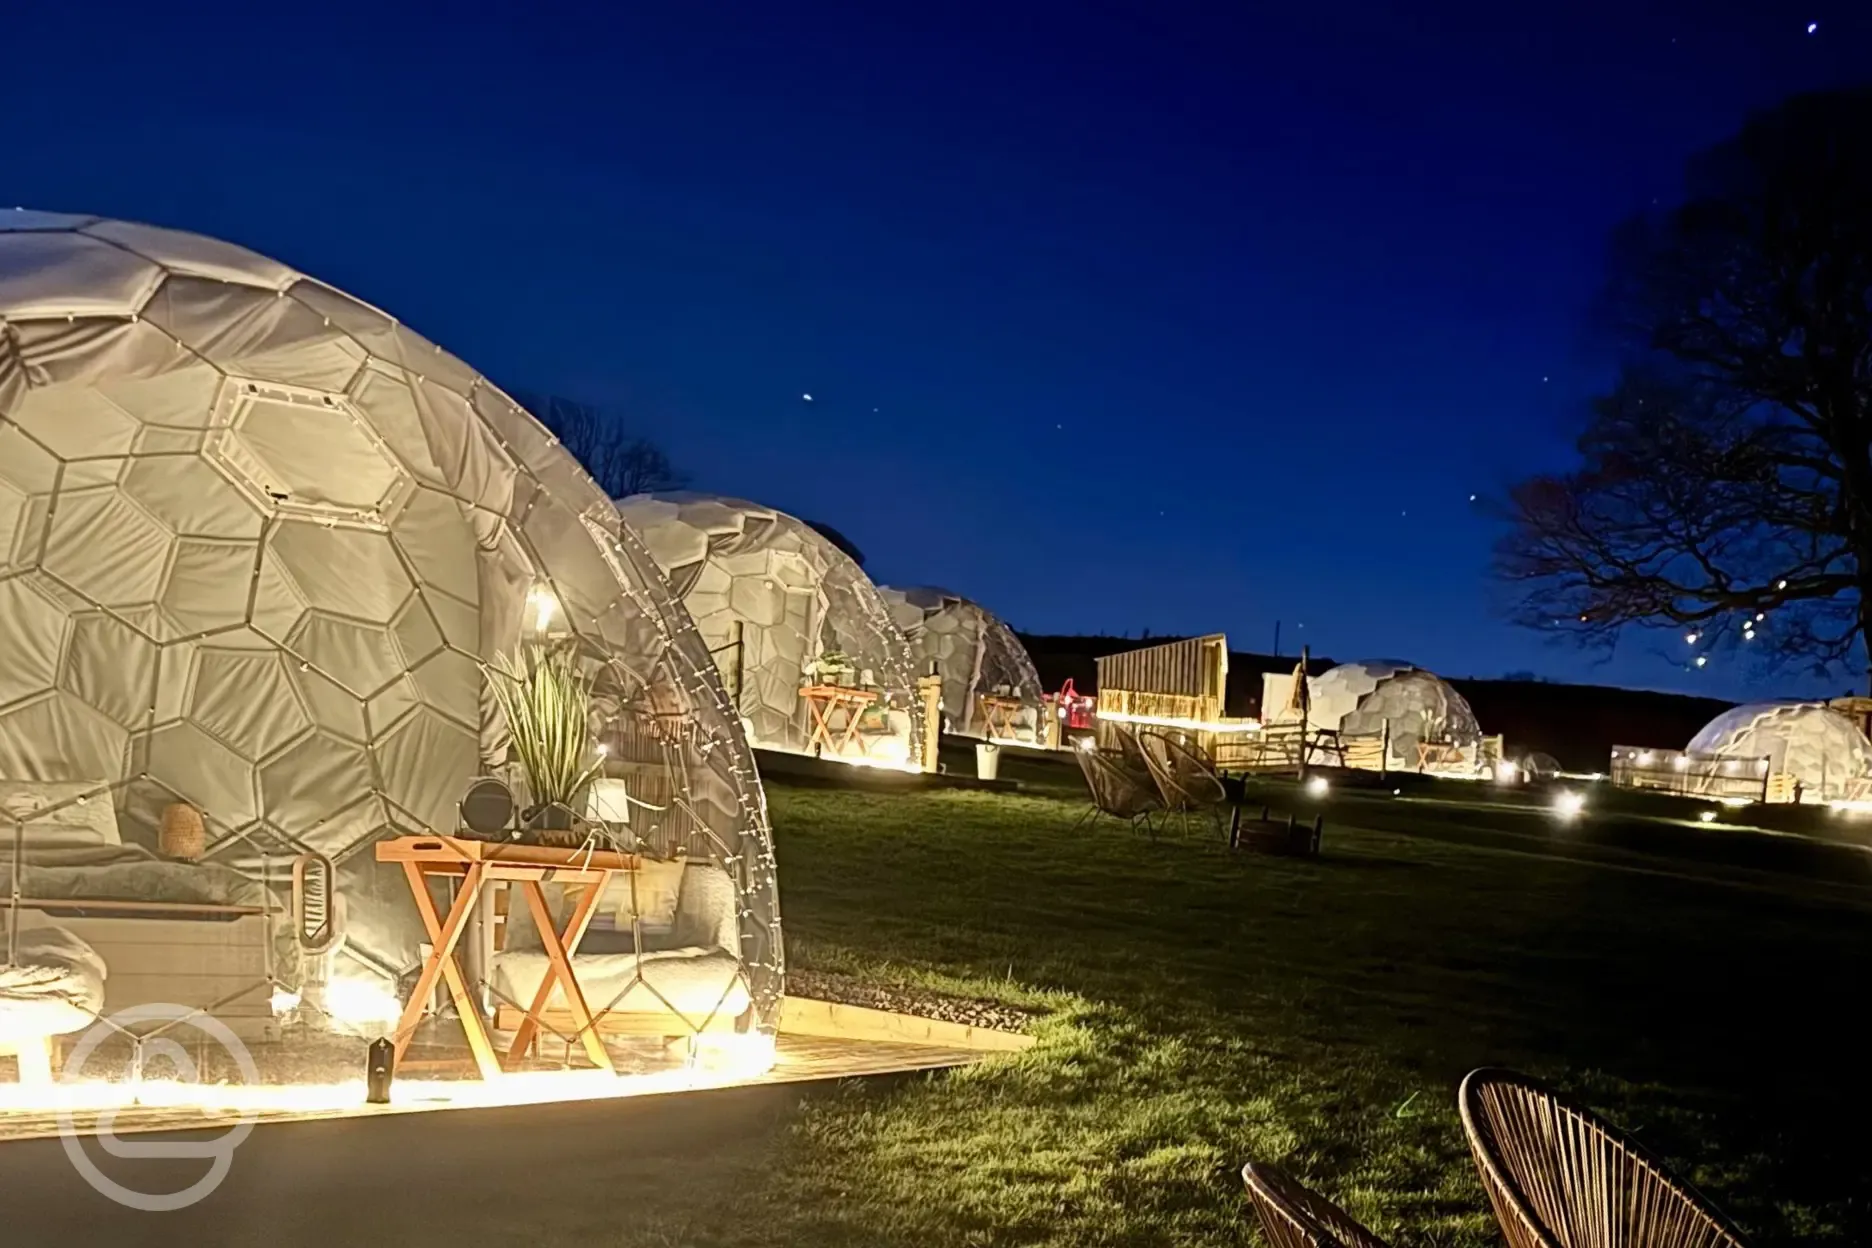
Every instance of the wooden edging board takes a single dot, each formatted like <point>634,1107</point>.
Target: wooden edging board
<point>804,1016</point>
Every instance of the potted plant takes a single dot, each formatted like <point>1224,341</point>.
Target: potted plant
<point>547,701</point>
<point>835,668</point>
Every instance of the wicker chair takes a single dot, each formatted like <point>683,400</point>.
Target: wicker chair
<point>1294,1217</point>
<point>1560,1177</point>
<point>1117,790</point>
<point>1186,777</point>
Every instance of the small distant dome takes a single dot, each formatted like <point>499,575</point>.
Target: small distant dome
<point>1819,747</point>
<point>773,598</point>
<point>1361,699</point>
<point>976,655</point>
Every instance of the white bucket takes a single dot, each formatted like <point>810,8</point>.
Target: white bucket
<point>987,760</point>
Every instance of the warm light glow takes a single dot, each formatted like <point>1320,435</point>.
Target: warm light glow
<point>1681,762</point>
<point>1188,725</point>
<point>1317,786</point>
<point>1506,771</point>
<point>1569,805</point>
<point>361,1003</point>
<point>284,1002</point>
<point>1850,806</point>
<point>1707,816</point>
<point>543,605</point>
<point>875,762</point>
<point>721,1060</point>
<point>1644,759</point>
<point>1735,801</point>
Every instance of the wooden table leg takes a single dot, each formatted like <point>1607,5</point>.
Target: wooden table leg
<point>560,965</point>
<point>443,937</point>
<point>853,717</point>
<point>582,915</point>
<point>821,729</point>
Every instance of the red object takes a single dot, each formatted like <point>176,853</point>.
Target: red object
<point>1081,709</point>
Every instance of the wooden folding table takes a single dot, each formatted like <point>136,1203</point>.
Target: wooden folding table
<point>823,702</point>
<point>476,864</point>
<point>1001,716</point>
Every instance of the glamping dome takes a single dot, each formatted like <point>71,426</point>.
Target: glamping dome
<point>1361,699</point>
<point>773,598</point>
<point>1815,745</point>
<point>976,655</point>
<point>257,540</point>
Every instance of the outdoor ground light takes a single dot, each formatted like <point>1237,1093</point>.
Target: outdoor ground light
<point>1317,786</point>
<point>1707,816</point>
<point>1569,805</point>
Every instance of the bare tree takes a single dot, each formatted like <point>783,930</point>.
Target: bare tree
<point>1725,485</point>
<point>839,540</point>
<point>622,463</point>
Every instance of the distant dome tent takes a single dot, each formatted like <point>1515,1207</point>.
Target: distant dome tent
<point>778,603</point>
<point>1376,703</point>
<point>988,677</point>
<point>258,543</point>
<point>1808,744</point>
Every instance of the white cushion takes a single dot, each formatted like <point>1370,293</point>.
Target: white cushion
<point>59,816</point>
<point>659,886</point>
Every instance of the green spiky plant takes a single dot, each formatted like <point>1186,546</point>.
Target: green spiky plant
<point>547,701</point>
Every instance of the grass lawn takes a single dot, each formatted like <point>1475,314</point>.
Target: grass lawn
<point>1204,1009</point>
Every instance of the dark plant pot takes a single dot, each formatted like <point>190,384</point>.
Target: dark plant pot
<point>552,824</point>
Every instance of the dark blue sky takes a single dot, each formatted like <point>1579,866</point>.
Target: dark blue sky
<point>1115,316</point>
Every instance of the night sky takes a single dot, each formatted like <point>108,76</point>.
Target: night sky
<point>1114,316</point>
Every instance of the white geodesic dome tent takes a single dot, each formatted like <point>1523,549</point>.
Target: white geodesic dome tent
<point>974,653</point>
<point>257,540</point>
<point>772,597</point>
<point>1377,697</point>
<point>1809,742</point>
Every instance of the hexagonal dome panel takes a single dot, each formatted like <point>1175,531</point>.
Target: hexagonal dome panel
<point>309,453</point>
<point>976,655</point>
<point>773,585</point>
<point>259,541</point>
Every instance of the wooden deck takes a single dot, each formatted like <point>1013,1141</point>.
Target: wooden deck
<point>797,1059</point>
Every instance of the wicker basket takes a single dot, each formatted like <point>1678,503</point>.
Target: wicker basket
<point>183,835</point>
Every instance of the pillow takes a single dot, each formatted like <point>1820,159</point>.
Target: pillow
<point>84,816</point>
<point>659,884</point>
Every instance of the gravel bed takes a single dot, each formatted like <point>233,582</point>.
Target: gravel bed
<point>845,990</point>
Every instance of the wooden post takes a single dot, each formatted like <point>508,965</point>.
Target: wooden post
<point>1306,708</point>
<point>930,687</point>
<point>739,667</point>
<point>1384,750</point>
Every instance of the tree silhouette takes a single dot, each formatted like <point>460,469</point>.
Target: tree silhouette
<point>1724,488</point>
<point>839,540</point>
<point>622,463</point>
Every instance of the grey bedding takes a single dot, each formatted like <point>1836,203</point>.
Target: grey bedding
<point>54,985</point>
<point>124,873</point>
